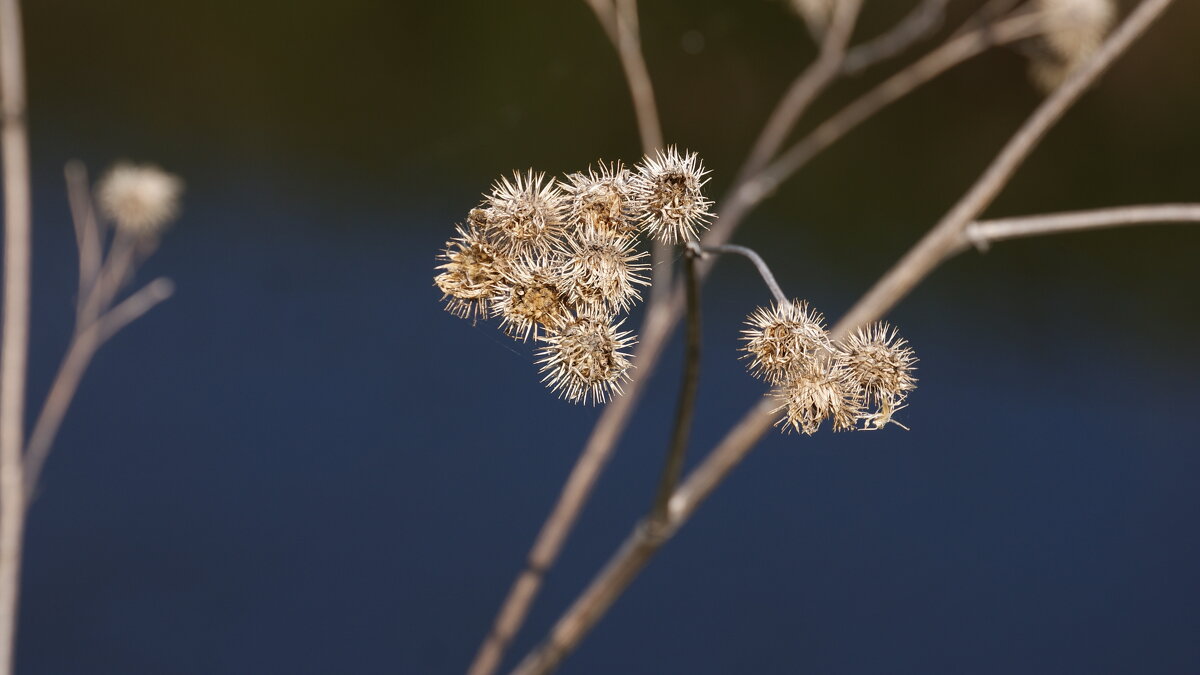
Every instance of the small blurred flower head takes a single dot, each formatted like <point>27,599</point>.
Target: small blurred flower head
<point>584,359</point>
<point>1072,31</point>
<point>668,198</point>
<point>139,199</point>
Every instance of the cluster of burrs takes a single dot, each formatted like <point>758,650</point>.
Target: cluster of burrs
<point>559,261</point>
<point>863,378</point>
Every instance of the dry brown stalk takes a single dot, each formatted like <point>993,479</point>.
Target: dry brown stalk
<point>14,353</point>
<point>644,541</point>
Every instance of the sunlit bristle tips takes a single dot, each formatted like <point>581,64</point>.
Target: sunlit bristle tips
<point>140,200</point>
<point>584,361</point>
<point>530,298</point>
<point>599,199</point>
<point>601,270</point>
<point>1072,30</point>
<point>864,378</point>
<point>667,196</point>
<point>523,216</point>
<point>783,338</point>
<point>880,364</point>
<point>472,275</point>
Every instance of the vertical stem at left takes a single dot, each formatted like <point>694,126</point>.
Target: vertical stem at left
<point>14,340</point>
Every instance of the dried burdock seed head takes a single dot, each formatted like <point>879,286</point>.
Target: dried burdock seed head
<point>667,196</point>
<point>525,215</point>
<point>1072,31</point>
<point>601,270</point>
<point>473,274</point>
<point>140,200</point>
<point>583,360</point>
<point>816,393</point>
<point>530,298</point>
<point>880,364</point>
<point>782,338</point>
<point>599,199</point>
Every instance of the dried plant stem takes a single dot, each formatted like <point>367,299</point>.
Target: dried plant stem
<point>83,347</point>
<point>982,234</point>
<point>666,303</point>
<point>87,227</point>
<point>641,544</point>
<point>686,405</point>
<point>619,20</point>
<point>761,265</point>
<point>14,352</point>
<point>748,193</point>
<point>804,89</point>
<point>922,21</point>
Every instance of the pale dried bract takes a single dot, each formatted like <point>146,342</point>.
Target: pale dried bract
<point>140,199</point>
<point>668,198</point>
<point>530,298</point>
<point>472,276</point>
<point>601,270</point>
<point>599,199</point>
<point>524,216</point>
<point>782,338</point>
<point>584,359</point>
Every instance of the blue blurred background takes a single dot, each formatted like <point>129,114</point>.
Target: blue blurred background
<point>302,464</point>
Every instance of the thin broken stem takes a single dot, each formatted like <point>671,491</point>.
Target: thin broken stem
<point>640,545</point>
<point>79,355</point>
<point>982,234</point>
<point>924,20</point>
<point>87,229</point>
<point>761,265</point>
<point>14,350</point>
<point>686,406</point>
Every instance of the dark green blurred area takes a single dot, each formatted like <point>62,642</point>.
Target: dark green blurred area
<point>413,108</point>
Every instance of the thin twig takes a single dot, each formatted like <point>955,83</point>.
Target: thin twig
<point>924,20</point>
<point>686,406</point>
<point>804,89</point>
<point>761,265</point>
<point>982,234</point>
<point>87,229</point>
<point>640,546</point>
<point>618,19</point>
<point>115,272</point>
<point>748,193</point>
<point>15,350</point>
<point>79,355</point>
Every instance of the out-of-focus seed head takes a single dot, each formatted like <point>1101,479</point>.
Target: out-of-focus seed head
<point>880,364</point>
<point>814,394</point>
<point>474,272</point>
<point>530,298</point>
<point>599,199</point>
<point>525,215</point>
<point>1072,31</point>
<point>816,13</point>
<point>783,338</point>
<point>602,270</point>
<point>583,360</point>
<point>141,200</point>
<point>668,198</point>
